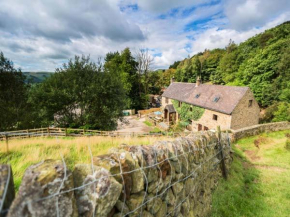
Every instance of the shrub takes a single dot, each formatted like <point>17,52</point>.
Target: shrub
<point>283,112</point>
<point>156,130</point>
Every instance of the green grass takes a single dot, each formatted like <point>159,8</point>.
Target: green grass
<point>259,180</point>
<point>149,124</point>
<point>156,130</point>
<point>26,152</point>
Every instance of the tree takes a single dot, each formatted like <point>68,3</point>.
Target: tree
<point>145,61</point>
<point>80,94</point>
<point>13,95</point>
<point>126,67</point>
<point>282,113</point>
<point>174,65</point>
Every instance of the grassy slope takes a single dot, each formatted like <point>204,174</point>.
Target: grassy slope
<point>26,152</point>
<point>259,181</point>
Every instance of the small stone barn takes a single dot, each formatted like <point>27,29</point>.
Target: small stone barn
<point>230,107</point>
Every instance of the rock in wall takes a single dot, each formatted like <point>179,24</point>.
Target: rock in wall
<point>39,185</point>
<point>168,178</point>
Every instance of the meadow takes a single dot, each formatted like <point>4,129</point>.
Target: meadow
<point>26,152</point>
<point>259,179</point>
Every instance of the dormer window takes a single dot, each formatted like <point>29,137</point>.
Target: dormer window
<point>197,95</point>
<point>216,99</point>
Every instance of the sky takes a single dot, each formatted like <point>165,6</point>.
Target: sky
<point>41,35</point>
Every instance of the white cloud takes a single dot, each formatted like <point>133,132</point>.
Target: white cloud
<point>41,35</point>
<point>247,14</point>
<point>215,38</point>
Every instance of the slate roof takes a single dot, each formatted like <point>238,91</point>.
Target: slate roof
<point>170,108</point>
<point>219,98</point>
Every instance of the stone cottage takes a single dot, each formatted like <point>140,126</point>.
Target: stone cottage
<point>230,107</point>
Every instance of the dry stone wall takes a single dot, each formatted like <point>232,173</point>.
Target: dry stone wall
<point>170,178</point>
<point>258,129</point>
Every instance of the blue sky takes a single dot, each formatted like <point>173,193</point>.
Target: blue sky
<point>41,35</point>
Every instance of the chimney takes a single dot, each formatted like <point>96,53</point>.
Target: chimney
<point>198,81</point>
<point>172,80</point>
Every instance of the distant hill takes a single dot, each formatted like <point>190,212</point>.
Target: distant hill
<point>36,77</point>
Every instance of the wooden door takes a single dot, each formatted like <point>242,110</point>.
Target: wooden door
<point>199,127</point>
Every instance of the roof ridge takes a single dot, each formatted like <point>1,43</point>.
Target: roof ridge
<point>229,95</point>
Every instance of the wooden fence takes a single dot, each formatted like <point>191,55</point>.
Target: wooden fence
<point>63,132</point>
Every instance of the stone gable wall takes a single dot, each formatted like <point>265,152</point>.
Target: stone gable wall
<point>168,178</point>
<point>243,115</point>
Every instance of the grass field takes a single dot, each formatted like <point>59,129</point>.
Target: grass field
<point>26,152</point>
<point>259,180</point>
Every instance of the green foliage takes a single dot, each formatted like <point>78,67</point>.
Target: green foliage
<point>188,112</point>
<point>282,113</point>
<point>125,66</point>
<point>80,94</point>
<point>178,127</point>
<point>174,65</point>
<point>13,96</point>
<point>261,62</point>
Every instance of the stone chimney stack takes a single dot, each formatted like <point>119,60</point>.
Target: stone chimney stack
<point>172,80</point>
<point>198,81</point>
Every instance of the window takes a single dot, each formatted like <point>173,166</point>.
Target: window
<point>190,109</point>
<point>197,95</point>
<point>216,99</point>
<point>250,103</point>
<point>215,117</point>
<point>179,104</point>
<point>166,100</point>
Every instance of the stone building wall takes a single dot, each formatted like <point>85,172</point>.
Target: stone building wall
<point>168,178</point>
<point>206,120</point>
<point>163,102</point>
<point>243,115</point>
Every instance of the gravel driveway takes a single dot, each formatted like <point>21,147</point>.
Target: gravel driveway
<point>132,124</point>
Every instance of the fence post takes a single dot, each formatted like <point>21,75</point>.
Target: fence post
<point>28,133</point>
<point>65,131</point>
<point>84,132</point>
<point>223,165</point>
<point>48,132</point>
<point>7,145</point>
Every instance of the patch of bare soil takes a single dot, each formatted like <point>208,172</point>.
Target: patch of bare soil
<point>252,155</point>
<point>272,168</point>
<point>246,164</point>
<point>132,124</point>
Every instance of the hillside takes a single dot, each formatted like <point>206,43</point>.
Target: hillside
<point>261,62</point>
<point>36,77</point>
<point>258,183</point>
